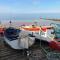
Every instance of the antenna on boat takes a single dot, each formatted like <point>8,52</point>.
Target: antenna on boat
<point>10,22</point>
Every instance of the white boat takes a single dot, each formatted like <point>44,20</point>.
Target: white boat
<point>18,39</point>
<point>42,33</point>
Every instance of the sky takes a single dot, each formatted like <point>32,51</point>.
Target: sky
<point>29,6</point>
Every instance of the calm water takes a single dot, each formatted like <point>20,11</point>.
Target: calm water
<point>29,18</point>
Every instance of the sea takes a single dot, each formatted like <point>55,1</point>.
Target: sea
<point>29,18</point>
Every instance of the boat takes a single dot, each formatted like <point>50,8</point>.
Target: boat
<point>24,36</point>
<point>2,29</point>
<point>46,33</point>
<point>55,44</point>
<point>18,39</point>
